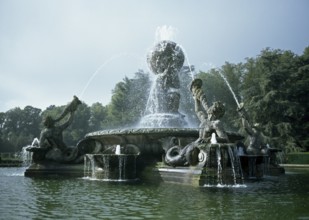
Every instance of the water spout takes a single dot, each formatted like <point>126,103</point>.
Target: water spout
<point>118,150</point>
<point>213,139</point>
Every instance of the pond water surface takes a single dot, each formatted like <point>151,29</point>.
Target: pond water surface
<point>283,197</point>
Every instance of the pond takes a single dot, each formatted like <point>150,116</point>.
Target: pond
<point>282,197</point>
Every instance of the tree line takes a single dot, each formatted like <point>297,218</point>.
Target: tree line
<point>273,87</point>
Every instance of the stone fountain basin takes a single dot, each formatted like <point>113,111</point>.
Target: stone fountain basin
<point>146,140</point>
<point>151,141</point>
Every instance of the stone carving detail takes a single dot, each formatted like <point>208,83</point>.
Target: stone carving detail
<point>257,145</point>
<point>209,116</point>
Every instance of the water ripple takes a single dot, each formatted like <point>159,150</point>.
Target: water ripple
<point>56,198</point>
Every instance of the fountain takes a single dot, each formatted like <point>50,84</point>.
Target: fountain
<point>163,147</point>
<point>165,60</point>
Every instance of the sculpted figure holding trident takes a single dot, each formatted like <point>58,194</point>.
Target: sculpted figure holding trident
<point>210,123</point>
<point>257,145</point>
<point>208,116</point>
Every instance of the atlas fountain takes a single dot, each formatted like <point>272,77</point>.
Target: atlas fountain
<point>162,147</point>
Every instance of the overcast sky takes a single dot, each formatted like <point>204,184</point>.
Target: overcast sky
<point>53,49</point>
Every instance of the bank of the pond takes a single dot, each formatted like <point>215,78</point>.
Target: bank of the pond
<point>11,163</point>
<point>10,159</point>
<point>295,165</point>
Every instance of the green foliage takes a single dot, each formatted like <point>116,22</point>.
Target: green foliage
<point>128,101</point>
<point>274,90</point>
<point>19,127</point>
<point>98,115</point>
<point>297,158</point>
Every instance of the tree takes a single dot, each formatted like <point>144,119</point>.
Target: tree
<point>128,101</point>
<point>20,126</point>
<point>98,114</point>
<point>268,91</point>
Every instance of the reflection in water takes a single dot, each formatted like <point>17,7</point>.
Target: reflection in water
<point>284,197</point>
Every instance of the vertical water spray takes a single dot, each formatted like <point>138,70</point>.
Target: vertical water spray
<point>165,32</point>
<point>165,60</point>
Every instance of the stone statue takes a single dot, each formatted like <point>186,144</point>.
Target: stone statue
<point>257,145</point>
<point>210,124</point>
<point>70,108</point>
<point>165,60</point>
<point>51,144</point>
<point>208,116</point>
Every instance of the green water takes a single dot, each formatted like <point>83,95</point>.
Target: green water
<point>284,197</point>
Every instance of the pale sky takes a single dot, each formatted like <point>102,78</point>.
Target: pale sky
<point>51,50</point>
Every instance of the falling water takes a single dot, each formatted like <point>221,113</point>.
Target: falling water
<point>89,164</point>
<point>121,165</point>
<point>26,157</point>
<point>106,166</point>
<point>219,169</point>
<point>230,88</point>
<point>110,167</point>
<point>223,168</point>
<point>232,159</point>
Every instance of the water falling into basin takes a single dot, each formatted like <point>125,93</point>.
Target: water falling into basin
<point>110,167</point>
<point>223,167</point>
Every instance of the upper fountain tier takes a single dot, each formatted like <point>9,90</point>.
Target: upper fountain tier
<point>165,60</point>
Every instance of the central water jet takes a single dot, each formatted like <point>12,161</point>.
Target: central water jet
<point>165,60</point>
